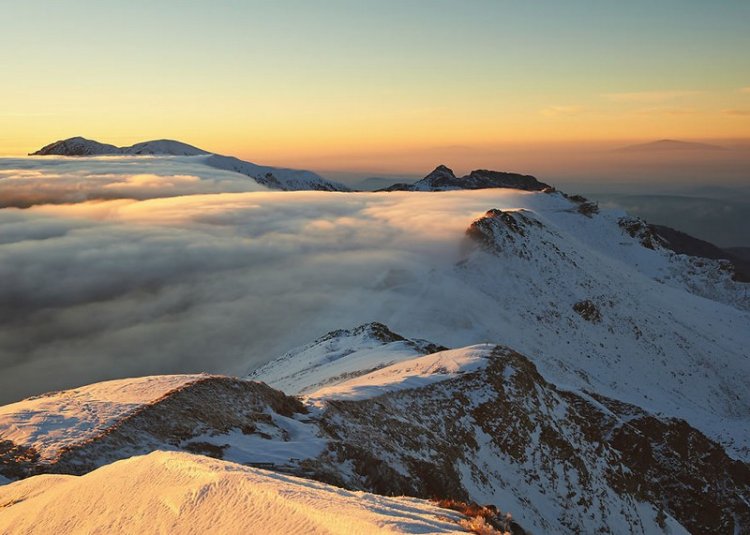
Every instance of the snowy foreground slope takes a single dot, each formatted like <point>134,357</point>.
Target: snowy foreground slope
<point>182,493</point>
<point>473,424</point>
<point>51,423</point>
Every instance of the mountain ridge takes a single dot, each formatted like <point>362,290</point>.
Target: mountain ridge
<point>442,178</point>
<point>271,177</point>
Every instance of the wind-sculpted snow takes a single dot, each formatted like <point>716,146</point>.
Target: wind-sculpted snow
<point>181,493</point>
<point>414,373</point>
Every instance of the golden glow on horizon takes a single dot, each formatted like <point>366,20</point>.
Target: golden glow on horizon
<point>365,80</point>
<point>275,130</point>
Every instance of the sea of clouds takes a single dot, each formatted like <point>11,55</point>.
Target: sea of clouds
<point>114,267</point>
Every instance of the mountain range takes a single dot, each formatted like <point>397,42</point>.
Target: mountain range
<point>271,177</point>
<point>600,387</point>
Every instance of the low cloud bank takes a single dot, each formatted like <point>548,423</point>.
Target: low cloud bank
<point>219,282</point>
<point>27,182</point>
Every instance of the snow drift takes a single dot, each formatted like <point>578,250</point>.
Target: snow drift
<point>181,493</point>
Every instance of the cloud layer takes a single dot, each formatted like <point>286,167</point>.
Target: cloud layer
<point>25,182</point>
<point>218,282</point>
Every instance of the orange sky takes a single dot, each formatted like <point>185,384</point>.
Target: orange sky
<point>362,85</point>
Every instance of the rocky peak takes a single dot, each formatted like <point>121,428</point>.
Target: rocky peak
<point>441,172</point>
<point>483,178</point>
<point>76,146</point>
<point>442,178</point>
<point>498,227</point>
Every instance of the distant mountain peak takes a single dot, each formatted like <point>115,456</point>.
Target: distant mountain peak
<point>76,146</point>
<point>669,145</point>
<point>271,177</point>
<point>441,171</point>
<point>163,146</point>
<point>443,179</point>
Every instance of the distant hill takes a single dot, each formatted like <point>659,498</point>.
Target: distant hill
<point>376,182</point>
<point>271,177</point>
<point>442,178</point>
<point>664,145</point>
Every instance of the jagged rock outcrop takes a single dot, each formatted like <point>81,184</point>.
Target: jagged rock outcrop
<point>442,178</point>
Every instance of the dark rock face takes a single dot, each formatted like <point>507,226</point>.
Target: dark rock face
<point>588,311</point>
<point>637,228</point>
<point>499,230</point>
<point>691,475</point>
<point>16,461</point>
<point>597,448</point>
<point>443,179</point>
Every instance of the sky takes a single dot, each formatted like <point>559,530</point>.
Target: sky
<point>348,84</point>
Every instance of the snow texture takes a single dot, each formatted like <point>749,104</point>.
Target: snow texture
<point>53,421</point>
<point>181,493</point>
<point>412,373</point>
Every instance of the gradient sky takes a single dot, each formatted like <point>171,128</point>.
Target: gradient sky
<point>320,81</point>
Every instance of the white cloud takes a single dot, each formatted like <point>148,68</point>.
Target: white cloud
<point>29,181</point>
<point>213,282</point>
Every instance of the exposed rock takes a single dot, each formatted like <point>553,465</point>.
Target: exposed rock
<point>637,228</point>
<point>588,311</point>
<point>76,146</point>
<point>443,179</point>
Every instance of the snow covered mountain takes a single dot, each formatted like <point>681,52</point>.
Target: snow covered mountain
<point>77,146</point>
<point>272,177</point>
<point>182,493</point>
<point>473,424</point>
<point>443,179</point>
<point>338,356</point>
<point>597,380</point>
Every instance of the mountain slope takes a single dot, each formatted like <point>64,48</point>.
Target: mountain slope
<point>338,356</point>
<point>272,177</point>
<point>561,461</point>
<point>477,423</point>
<point>76,146</point>
<point>181,493</point>
<point>55,421</point>
<point>618,314</point>
<point>74,432</point>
